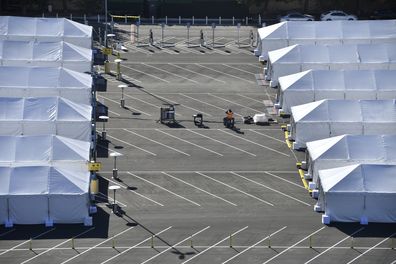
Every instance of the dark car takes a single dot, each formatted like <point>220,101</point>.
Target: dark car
<point>383,14</point>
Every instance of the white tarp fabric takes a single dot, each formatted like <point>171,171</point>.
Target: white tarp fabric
<point>45,29</point>
<point>314,85</point>
<point>288,33</point>
<point>298,58</point>
<point>349,150</point>
<point>45,54</point>
<point>33,194</point>
<point>329,118</point>
<point>45,115</point>
<point>349,193</point>
<point>44,82</point>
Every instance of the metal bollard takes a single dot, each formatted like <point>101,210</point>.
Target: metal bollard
<point>269,241</point>
<point>352,242</point>
<point>30,245</point>
<point>193,20</point>
<point>72,242</point>
<point>233,21</point>
<point>71,16</point>
<point>247,21</point>
<point>152,20</point>
<point>231,241</point>
<point>310,241</point>
<point>113,243</point>
<point>166,20</point>
<point>191,242</point>
<point>98,18</point>
<point>206,20</point>
<point>219,20</point>
<point>152,241</point>
<point>179,20</point>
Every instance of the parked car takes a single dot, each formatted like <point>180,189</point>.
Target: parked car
<point>336,15</point>
<point>296,17</point>
<point>383,14</point>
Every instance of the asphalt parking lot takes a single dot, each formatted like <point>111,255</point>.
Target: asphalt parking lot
<point>197,195</point>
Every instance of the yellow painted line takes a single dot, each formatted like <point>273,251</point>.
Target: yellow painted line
<point>289,144</point>
<point>304,181</point>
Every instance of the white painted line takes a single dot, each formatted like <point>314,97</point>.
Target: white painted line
<point>124,76</point>
<point>247,140</point>
<point>186,141</point>
<point>112,150</point>
<point>241,95</point>
<point>129,144</point>
<point>192,98</point>
<point>236,189</point>
<point>168,72</point>
<point>189,184</point>
<point>292,246</point>
<point>169,248</point>
<point>269,188</point>
<point>27,241</point>
<point>238,69</point>
<point>280,178</point>
<point>114,113</point>
<point>252,246</point>
<point>133,191</point>
<point>64,242</point>
<point>111,199</point>
<point>159,143</point>
<point>183,105</point>
<point>162,188</point>
<point>221,241</point>
<point>221,98</point>
<point>236,77</point>
<point>218,141</point>
<point>9,231</point>
<point>253,65</point>
<point>151,75</point>
<point>368,250</point>
<point>97,245</point>
<point>138,244</point>
<point>197,73</point>
<point>140,100</point>
<point>114,101</point>
<point>336,244</point>
<point>268,136</point>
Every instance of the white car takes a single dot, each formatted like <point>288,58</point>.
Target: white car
<point>296,17</point>
<point>336,15</point>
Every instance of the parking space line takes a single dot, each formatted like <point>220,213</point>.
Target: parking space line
<point>238,69</point>
<point>168,72</point>
<point>172,247</point>
<point>214,245</point>
<point>336,244</point>
<point>252,65</point>
<point>230,75</point>
<point>138,244</point>
<point>269,188</point>
<point>247,140</point>
<point>114,113</point>
<point>140,100</point>
<point>255,100</point>
<point>133,191</point>
<point>148,74</point>
<point>111,199</point>
<point>129,144</point>
<point>5,233</point>
<point>295,244</point>
<point>183,105</point>
<point>236,189</point>
<point>280,178</point>
<point>52,248</point>
<point>197,73</point>
<point>189,184</point>
<point>114,101</point>
<point>252,246</point>
<point>159,143</point>
<point>218,141</point>
<point>221,98</point>
<point>97,245</point>
<point>124,76</point>
<point>268,136</point>
<point>192,98</point>
<point>27,241</point>
<point>186,141</point>
<point>162,188</point>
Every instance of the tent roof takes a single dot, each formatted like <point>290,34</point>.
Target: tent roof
<point>360,178</point>
<point>353,53</point>
<point>43,77</point>
<point>43,109</point>
<point>341,80</point>
<point>49,28</point>
<point>43,148</point>
<point>39,180</point>
<point>346,110</point>
<point>361,29</point>
<point>357,147</point>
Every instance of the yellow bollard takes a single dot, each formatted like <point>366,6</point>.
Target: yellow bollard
<point>269,241</point>
<point>393,243</point>
<point>118,55</point>
<point>107,67</point>
<point>72,242</point>
<point>231,241</point>
<point>352,243</point>
<point>152,241</point>
<point>191,242</point>
<point>310,241</point>
<point>94,186</point>
<point>113,243</point>
<point>30,245</point>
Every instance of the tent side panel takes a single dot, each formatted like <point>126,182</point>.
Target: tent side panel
<point>67,208</point>
<point>28,209</point>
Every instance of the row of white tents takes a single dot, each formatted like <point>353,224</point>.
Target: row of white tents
<point>45,121</point>
<point>337,81</point>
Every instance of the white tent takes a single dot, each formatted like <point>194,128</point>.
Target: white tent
<point>298,58</point>
<point>45,29</point>
<point>45,115</point>
<point>329,118</point>
<point>313,85</point>
<point>37,194</point>
<point>47,54</point>
<point>44,82</point>
<point>348,150</point>
<point>359,193</point>
<point>288,33</point>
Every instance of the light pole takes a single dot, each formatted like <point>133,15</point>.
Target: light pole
<point>105,40</point>
<point>104,120</point>
<point>122,101</point>
<point>115,170</point>
<point>114,188</point>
